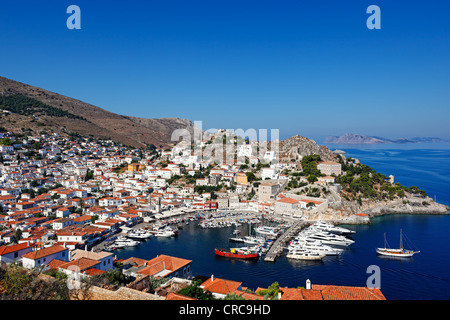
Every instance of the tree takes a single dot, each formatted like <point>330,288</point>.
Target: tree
<point>312,178</point>
<point>17,235</point>
<point>89,175</point>
<point>194,291</point>
<point>271,292</point>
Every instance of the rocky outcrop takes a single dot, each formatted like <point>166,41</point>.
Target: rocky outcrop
<point>423,206</point>
<point>297,147</point>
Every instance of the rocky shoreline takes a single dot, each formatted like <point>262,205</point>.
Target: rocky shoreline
<point>353,213</point>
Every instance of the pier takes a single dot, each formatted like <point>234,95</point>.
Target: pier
<point>277,248</point>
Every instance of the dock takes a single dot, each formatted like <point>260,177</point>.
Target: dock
<point>277,248</point>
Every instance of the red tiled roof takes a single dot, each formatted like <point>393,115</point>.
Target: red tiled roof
<point>164,262</point>
<point>221,286</point>
<point>13,248</point>
<point>349,293</point>
<point>44,252</point>
<point>177,296</point>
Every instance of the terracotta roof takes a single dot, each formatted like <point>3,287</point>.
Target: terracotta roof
<point>164,262</point>
<point>221,286</point>
<point>177,296</point>
<point>44,252</point>
<point>94,272</point>
<point>349,293</point>
<point>13,248</point>
<point>55,264</point>
<point>81,264</point>
<point>288,200</point>
<point>249,296</point>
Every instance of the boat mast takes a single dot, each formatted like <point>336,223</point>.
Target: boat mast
<point>401,241</point>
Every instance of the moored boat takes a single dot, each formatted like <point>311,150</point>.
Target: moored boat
<point>233,253</point>
<point>399,253</point>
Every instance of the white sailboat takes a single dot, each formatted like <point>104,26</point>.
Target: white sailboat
<point>401,252</point>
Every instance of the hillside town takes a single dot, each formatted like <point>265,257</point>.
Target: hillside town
<point>63,197</point>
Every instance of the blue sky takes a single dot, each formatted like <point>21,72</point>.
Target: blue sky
<point>304,67</point>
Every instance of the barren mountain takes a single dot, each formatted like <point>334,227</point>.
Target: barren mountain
<point>63,114</point>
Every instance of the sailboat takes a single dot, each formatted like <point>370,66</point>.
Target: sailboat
<point>401,252</point>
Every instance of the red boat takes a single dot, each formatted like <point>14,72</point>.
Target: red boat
<point>234,254</point>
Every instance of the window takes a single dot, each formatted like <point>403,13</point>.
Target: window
<point>16,254</point>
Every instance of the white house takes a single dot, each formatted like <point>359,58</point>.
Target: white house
<point>44,256</point>
<point>269,173</point>
<point>15,252</point>
<point>105,258</point>
<point>62,223</point>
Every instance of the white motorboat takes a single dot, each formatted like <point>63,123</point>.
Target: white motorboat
<point>397,253</point>
<point>315,247</point>
<point>266,231</point>
<point>326,237</point>
<point>254,240</point>
<point>125,242</point>
<point>324,226</point>
<point>164,233</point>
<point>305,255</point>
<point>138,234</point>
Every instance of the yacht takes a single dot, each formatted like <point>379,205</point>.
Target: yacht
<point>266,231</point>
<point>328,238</point>
<point>305,255</point>
<point>315,247</point>
<point>324,226</point>
<point>254,240</point>
<point>164,233</point>
<point>125,242</point>
<point>138,234</point>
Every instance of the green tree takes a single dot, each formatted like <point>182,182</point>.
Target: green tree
<point>194,291</point>
<point>271,292</point>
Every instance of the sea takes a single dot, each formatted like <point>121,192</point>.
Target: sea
<point>425,276</point>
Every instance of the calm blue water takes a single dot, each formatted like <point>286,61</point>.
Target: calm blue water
<point>425,276</point>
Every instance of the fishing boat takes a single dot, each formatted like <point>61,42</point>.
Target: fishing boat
<point>400,253</point>
<point>233,253</point>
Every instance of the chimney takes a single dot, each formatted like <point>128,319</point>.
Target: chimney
<point>212,278</point>
<point>308,284</point>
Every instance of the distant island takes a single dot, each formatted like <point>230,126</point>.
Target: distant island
<point>350,138</point>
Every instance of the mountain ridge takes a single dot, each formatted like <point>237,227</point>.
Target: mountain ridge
<point>89,120</point>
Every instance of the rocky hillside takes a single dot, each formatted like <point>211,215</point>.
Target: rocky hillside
<point>59,113</point>
<point>297,147</point>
